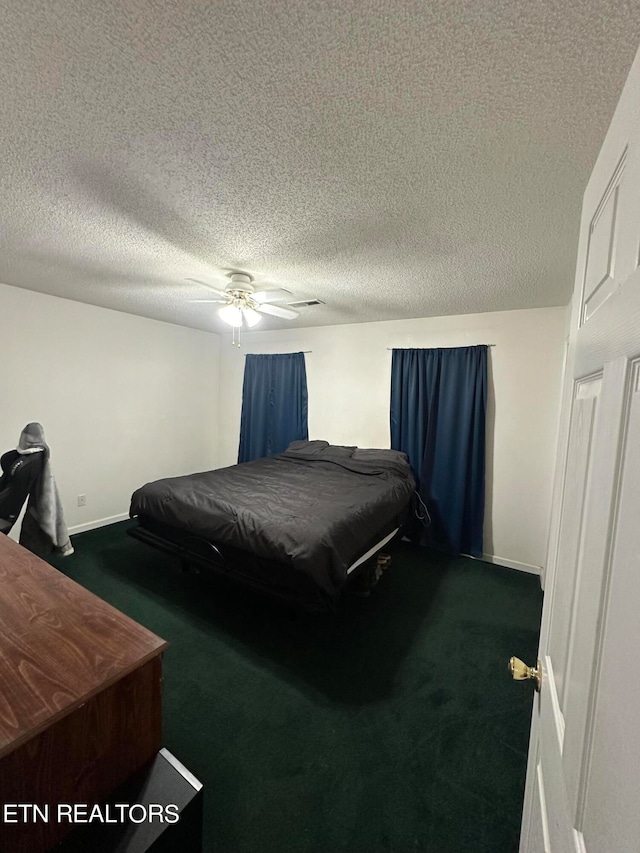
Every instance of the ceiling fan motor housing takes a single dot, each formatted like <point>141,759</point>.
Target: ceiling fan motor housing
<point>240,282</point>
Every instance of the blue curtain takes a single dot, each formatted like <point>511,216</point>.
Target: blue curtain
<point>274,404</point>
<point>438,409</point>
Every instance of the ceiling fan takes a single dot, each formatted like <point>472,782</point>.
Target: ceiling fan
<point>244,306</point>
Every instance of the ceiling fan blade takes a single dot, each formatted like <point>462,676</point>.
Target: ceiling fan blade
<point>215,301</point>
<point>277,311</point>
<point>210,286</point>
<point>278,295</point>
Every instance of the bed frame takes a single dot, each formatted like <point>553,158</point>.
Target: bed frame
<point>269,577</point>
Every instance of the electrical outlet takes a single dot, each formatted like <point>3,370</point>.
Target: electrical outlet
<point>82,500</point>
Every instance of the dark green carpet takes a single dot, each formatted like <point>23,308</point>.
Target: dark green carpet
<point>393,727</point>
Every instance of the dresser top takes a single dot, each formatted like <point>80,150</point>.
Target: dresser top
<point>59,645</point>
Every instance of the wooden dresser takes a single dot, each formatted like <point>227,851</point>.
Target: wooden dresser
<point>80,696</point>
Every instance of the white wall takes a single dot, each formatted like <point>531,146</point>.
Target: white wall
<point>122,399</point>
<point>348,374</point>
<point>125,400</point>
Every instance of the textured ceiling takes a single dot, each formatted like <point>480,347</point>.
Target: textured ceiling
<point>394,159</point>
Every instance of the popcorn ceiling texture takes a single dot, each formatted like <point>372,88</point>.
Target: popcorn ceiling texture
<point>394,159</point>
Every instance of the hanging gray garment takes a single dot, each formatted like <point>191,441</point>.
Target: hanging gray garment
<point>43,527</point>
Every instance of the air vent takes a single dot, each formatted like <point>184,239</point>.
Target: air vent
<point>304,303</point>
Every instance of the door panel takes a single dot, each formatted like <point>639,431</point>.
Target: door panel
<point>551,793</point>
<point>539,822</point>
<point>611,806</point>
<point>599,273</point>
<point>611,209</point>
<point>580,438</point>
<point>588,605</point>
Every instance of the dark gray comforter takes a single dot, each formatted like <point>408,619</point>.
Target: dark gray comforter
<point>317,507</point>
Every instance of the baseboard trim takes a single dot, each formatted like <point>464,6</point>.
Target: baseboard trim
<point>512,564</point>
<point>98,522</point>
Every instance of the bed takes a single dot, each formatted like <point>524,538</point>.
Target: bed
<point>299,525</point>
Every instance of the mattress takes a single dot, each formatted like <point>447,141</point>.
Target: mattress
<point>316,508</point>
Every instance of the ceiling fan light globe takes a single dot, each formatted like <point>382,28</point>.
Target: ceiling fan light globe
<point>231,314</point>
<point>251,316</point>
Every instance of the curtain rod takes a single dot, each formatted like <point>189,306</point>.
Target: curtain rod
<point>304,351</point>
<point>470,345</point>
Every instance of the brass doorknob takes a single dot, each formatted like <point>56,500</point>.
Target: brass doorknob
<point>520,671</point>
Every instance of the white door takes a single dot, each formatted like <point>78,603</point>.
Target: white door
<point>583,777</point>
